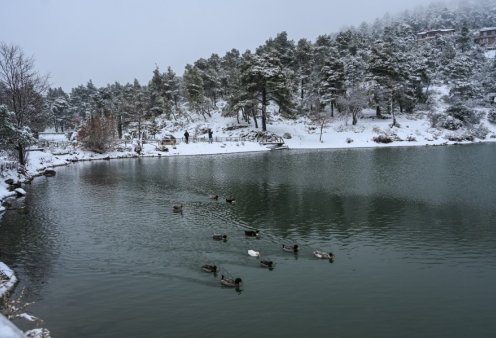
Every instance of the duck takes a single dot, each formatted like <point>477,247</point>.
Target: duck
<point>231,200</point>
<point>177,207</point>
<point>324,255</point>
<point>266,264</point>
<point>219,237</point>
<point>252,233</point>
<point>214,197</point>
<point>210,268</point>
<point>231,282</point>
<point>290,248</point>
<point>254,253</point>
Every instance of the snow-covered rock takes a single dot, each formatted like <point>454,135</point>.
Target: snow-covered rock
<point>20,192</point>
<point>7,279</point>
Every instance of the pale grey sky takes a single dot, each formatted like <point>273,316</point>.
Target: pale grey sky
<point>119,40</point>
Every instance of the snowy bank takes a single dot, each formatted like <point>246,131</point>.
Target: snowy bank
<point>9,330</point>
<point>413,130</point>
<point>7,279</point>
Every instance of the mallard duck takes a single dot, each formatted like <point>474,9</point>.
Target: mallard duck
<point>254,253</point>
<point>219,237</point>
<point>177,207</point>
<point>266,264</point>
<point>231,282</point>
<point>209,268</point>
<point>324,255</point>
<point>214,197</point>
<point>290,248</point>
<point>230,200</point>
<point>252,233</point>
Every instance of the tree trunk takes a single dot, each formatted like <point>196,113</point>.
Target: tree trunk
<point>22,160</point>
<point>355,119</point>
<point>378,111</point>
<point>321,128</point>
<point>139,132</point>
<point>426,95</point>
<point>302,93</point>
<point>332,108</point>
<point>392,110</point>
<point>119,126</point>
<point>253,111</point>
<point>264,113</point>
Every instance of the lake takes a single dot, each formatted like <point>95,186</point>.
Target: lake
<point>102,254</point>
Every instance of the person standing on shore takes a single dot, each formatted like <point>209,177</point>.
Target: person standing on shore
<point>186,136</point>
<point>210,136</point>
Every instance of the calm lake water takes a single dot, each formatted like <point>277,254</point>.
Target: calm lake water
<point>413,229</point>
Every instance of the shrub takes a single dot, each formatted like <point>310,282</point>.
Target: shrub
<point>491,116</point>
<point>464,114</point>
<point>450,123</point>
<point>97,134</point>
<point>480,132</point>
<point>382,139</point>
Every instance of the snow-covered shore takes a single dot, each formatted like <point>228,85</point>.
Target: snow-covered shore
<point>413,130</point>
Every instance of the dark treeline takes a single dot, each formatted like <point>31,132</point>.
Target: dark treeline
<point>383,66</point>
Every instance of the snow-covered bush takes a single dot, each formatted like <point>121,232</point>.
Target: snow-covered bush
<point>287,136</point>
<point>479,132</point>
<point>441,120</point>
<point>383,139</point>
<point>491,116</point>
<point>460,138</point>
<point>463,113</point>
<point>450,123</point>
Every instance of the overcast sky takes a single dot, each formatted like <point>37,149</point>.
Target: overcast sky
<point>119,40</point>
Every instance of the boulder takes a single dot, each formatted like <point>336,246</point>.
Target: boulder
<point>9,181</point>
<point>49,173</point>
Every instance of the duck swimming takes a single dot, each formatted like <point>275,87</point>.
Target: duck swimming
<point>177,207</point>
<point>266,264</point>
<point>254,253</point>
<point>231,200</point>
<point>210,268</point>
<point>252,233</point>
<point>214,197</point>
<point>219,237</point>
<point>290,248</point>
<point>231,282</point>
<point>324,255</point>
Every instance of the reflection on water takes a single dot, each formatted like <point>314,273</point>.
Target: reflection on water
<point>103,254</point>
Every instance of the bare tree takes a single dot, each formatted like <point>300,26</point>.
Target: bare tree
<point>21,90</point>
<point>322,119</point>
<point>353,102</point>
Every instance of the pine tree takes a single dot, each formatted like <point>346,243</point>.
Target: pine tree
<point>331,80</point>
<point>57,108</point>
<point>304,62</point>
<point>194,86</point>
<point>265,80</point>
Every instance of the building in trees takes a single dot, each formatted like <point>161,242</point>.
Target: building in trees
<point>432,34</point>
<point>487,38</point>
